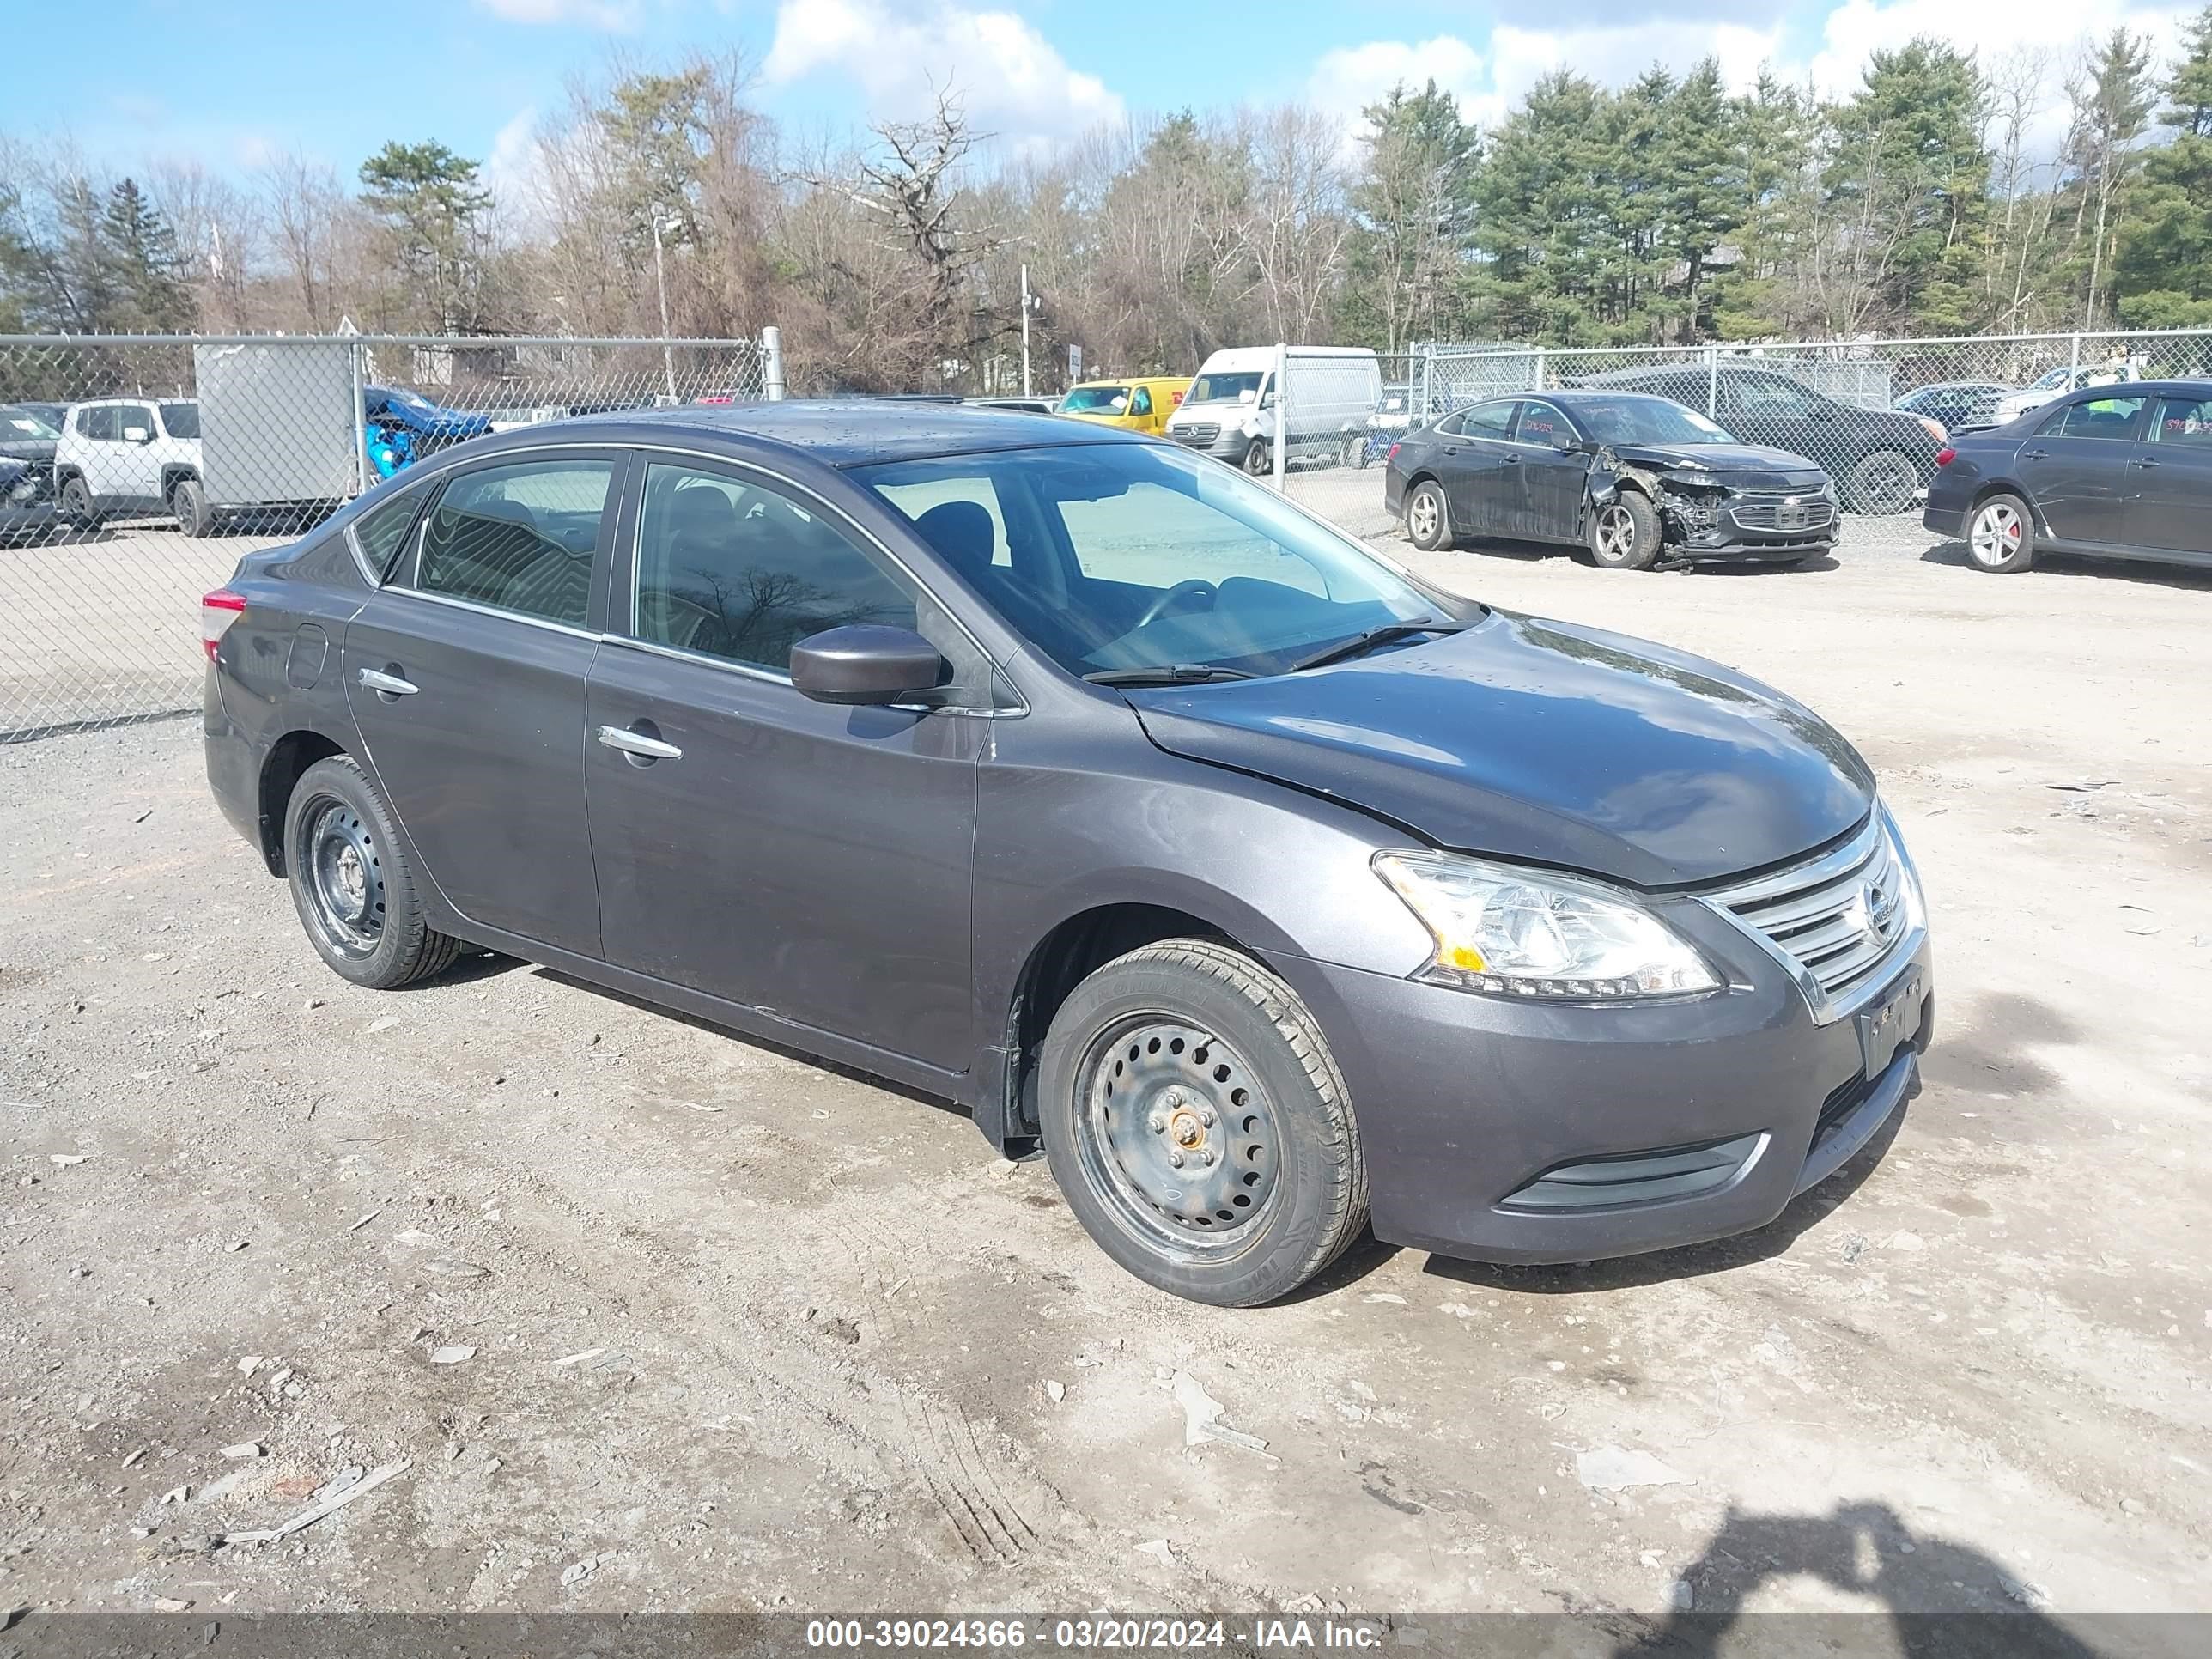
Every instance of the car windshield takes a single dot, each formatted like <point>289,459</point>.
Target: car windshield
<point>181,420</point>
<point>16,424</point>
<point>1243,387</point>
<point>1096,400</point>
<point>2050,382</point>
<point>1119,558</point>
<point>1647,421</point>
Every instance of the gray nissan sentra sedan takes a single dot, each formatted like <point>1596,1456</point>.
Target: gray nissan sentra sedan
<point>1087,783</point>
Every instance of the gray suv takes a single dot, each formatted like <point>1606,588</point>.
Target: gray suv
<point>1081,780</point>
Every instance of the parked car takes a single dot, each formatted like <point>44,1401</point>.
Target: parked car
<point>432,426</point>
<point>1880,458</point>
<point>1956,405</point>
<point>1107,793</point>
<point>1230,410</point>
<point>1020,405</point>
<point>1637,480</point>
<point>1366,442</point>
<point>2120,471</point>
<point>27,502</point>
<point>2057,383</point>
<point>28,437</point>
<point>133,455</point>
<point>1141,405</point>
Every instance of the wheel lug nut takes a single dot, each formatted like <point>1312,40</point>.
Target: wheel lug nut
<point>1205,1115</point>
<point>1176,1158</point>
<point>1206,1157</point>
<point>1158,1124</point>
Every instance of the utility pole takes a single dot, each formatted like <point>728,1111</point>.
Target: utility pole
<point>660,281</point>
<point>1025,330</point>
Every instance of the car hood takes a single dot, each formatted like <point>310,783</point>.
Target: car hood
<point>1721,459</point>
<point>1544,742</point>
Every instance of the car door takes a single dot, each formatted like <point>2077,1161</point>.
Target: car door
<point>106,468</point>
<point>810,860</point>
<point>1479,469</point>
<point>1554,470</point>
<point>2077,469</point>
<point>465,674</point>
<point>1140,410</point>
<point>2169,500</point>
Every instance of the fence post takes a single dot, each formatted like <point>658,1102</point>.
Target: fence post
<point>771,346</point>
<point>2077,349</point>
<point>1712,382</point>
<point>1282,408</point>
<point>360,422</point>
<point>1540,368</point>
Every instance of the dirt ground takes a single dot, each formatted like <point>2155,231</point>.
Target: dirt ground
<point>737,1332</point>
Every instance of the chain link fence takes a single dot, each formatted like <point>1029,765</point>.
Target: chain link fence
<point>1340,411</point>
<point>134,472</point>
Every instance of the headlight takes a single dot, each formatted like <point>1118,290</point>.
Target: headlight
<point>1513,932</point>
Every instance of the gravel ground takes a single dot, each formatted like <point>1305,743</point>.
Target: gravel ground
<point>668,1320</point>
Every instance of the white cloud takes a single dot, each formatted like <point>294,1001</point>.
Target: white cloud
<point>1855,29</point>
<point>1350,78</point>
<point>515,174</point>
<point>1010,78</point>
<point>587,14</point>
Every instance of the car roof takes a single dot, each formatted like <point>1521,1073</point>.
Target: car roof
<point>1571,397</point>
<point>2198,388</point>
<point>839,431</point>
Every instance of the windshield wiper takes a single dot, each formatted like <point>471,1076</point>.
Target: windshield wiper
<point>1374,636</point>
<point>1173,673</point>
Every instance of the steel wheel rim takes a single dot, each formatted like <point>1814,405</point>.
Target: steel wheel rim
<point>1886,488</point>
<point>1616,533</point>
<point>1422,517</point>
<point>1153,1089</point>
<point>1997,533</point>
<point>344,878</point>
<point>1258,460</point>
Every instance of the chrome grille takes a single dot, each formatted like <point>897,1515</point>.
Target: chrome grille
<point>1839,916</point>
<point>1197,436</point>
<point>1790,512</point>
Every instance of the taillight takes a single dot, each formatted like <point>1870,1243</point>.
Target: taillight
<point>218,610</point>
<point>1946,455</point>
<point>1393,455</point>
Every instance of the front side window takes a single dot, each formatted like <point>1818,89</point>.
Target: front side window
<point>2096,417</point>
<point>137,422</point>
<point>181,420</point>
<point>519,537</point>
<point>1140,401</point>
<point>1541,423</point>
<point>731,568</point>
<point>1132,557</point>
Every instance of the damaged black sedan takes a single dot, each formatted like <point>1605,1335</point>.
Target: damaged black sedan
<point>1639,481</point>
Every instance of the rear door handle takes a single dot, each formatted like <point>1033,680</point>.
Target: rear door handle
<point>1512,460</point>
<point>2142,460</point>
<point>2033,454</point>
<point>387,685</point>
<point>636,743</point>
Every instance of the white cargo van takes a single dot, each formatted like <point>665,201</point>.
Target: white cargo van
<point>1230,408</point>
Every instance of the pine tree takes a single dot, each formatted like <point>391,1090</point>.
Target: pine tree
<point>1414,202</point>
<point>430,201</point>
<point>138,252</point>
<point>2164,270</point>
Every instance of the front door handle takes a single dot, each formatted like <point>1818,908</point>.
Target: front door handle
<point>2143,460</point>
<point>387,685</point>
<point>1512,460</point>
<point>638,743</point>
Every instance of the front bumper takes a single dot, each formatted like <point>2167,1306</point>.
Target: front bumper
<point>1508,1131</point>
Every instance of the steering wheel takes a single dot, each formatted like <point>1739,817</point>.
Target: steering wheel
<point>1184,590</point>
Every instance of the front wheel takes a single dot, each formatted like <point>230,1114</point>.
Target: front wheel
<point>2001,537</point>
<point>351,884</point>
<point>1624,533</point>
<point>1260,459</point>
<point>1881,483</point>
<point>1197,1126</point>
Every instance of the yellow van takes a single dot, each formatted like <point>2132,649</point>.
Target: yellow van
<point>1140,405</point>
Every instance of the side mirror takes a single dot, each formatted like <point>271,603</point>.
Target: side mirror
<point>1564,441</point>
<point>136,434</point>
<point>865,662</point>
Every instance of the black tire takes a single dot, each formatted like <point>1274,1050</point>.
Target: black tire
<point>1881,483</point>
<point>188,501</point>
<point>1223,1062</point>
<point>1260,459</point>
<point>2000,534</point>
<point>74,504</point>
<point>1428,517</point>
<point>1624,533</point>
<point>384,942</point>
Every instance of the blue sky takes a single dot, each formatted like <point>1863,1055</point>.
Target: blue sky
<point>230,82</point>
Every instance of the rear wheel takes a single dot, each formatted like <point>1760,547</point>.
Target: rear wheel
<point>74,503</point>
<point>1624,533</point>
<point>351,884</point>
<point>1197,1126</point>
<point>188,501</point>
<point>1428,517</point>
<point>2001,536</point>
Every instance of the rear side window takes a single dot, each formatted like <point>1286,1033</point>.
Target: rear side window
<point>1488,420</point>
<point>519,537</point>
<point>379,533</point>
<point>729,568</point>
<point>2096,417</point>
